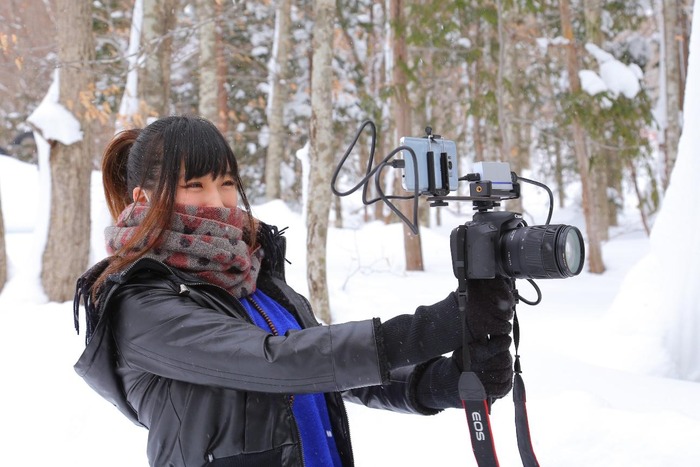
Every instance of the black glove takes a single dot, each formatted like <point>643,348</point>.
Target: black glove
<point>428,333</point>
<point>490,307</point>
<point>437,382</point>
<point>437,329</point>
<point>493,364</point>
<point>436,386</point>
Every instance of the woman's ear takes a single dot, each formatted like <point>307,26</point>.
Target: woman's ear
<point>139,195</point>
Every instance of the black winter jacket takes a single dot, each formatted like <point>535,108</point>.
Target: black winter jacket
<point>182,358</point>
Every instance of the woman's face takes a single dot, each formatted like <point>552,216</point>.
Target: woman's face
<point>206,191</point>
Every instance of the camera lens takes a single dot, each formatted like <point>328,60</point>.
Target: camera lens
<point>542,252</point>
<point>573,250</point>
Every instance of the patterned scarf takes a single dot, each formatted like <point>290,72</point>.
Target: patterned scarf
<point>204,241</point>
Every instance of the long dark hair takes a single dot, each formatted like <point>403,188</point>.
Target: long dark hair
<point>152,158</point>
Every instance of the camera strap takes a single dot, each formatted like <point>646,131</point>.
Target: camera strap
<point>478,406</point>
<point>522,426</point>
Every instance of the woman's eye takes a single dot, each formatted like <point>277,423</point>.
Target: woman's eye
<point>193,185</point>
<point>229,183</point>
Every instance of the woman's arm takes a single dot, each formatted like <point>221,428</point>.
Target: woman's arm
<point>170,335</point>
<point>398,396</point>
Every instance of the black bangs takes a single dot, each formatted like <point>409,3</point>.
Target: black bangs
<point>200,146</point>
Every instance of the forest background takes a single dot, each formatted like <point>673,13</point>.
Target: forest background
<point>571,93</point>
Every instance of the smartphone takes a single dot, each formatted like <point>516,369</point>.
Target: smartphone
<point>436,160</point>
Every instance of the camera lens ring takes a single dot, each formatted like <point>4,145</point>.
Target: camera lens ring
<point>571,249</point>
<point>541,252</point>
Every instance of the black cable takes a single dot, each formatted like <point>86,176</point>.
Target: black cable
<point>377,183</point>
<point>549,218</point>
<point>528,302</point>
<point>376,172</point>
<point>549,192</point>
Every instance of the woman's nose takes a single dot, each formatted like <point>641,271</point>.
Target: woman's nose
<point>213,199</point>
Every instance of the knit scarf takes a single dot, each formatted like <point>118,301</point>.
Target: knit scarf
<point>204,241</point>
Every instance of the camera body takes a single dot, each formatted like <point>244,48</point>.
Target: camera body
<point>500,243</point>
<point>474,245</point>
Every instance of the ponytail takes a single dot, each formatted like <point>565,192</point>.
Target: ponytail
<point>114,171</point>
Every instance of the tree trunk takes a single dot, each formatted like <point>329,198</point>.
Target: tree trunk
<point>129,106</point>
<point>3,254</point>
<point>605,170</point>
<point>68,244</point>
<point>559,173</point>
<point>685,20</point>
<point>156,42</point>
<point>221,71</point>
<point>208,83</point>
<point>598,178</point>
<point>671,54</point>
<point>602,168</point>
<point>476,37</point>
<point>595,254</point>
<point>377,46</point>
<point>320,157</point>
<point>477,136</point>
<point>501,97</point>
<point>276,100</point>
<point>510,152</point>
<point>402,119</point>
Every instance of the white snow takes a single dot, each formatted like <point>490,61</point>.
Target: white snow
<point>596,392</point>
<point>52,120</point>
<point>663,298</point>
<point>600,353</point>
<point>617,77</point>
<point>591,82</point>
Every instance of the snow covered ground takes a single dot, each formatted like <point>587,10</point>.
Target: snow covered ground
<point>597,394</point>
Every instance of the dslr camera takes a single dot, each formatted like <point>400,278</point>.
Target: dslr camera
<point>494,243</point>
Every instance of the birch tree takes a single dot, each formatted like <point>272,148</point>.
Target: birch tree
<point>276,100</point>
<point>128,115</point>
<point>156,41</point>
<point>67,248</point>
<point>318,201</point>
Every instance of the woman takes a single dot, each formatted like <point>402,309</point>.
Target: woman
<point>193,333</point>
